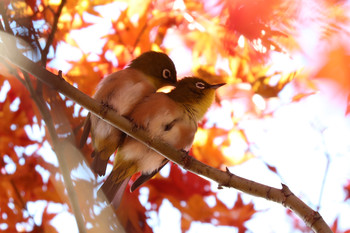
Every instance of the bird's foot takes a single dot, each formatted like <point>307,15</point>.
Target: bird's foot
<point>105,107</point>
<point>186,158</point>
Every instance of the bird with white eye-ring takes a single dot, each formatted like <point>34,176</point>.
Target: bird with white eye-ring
<point>121,91</point>
<point>172,117</point>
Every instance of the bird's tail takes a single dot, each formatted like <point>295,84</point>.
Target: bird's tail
<point>145,177</point>
<point>98,164</point>
<point>114,190</point>
<point>115,185</point>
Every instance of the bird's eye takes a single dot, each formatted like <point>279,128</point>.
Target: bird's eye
<point>166,74</point>
<point>200,85</point>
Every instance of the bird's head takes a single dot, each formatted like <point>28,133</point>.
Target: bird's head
<point>158,67</point>
<point>195,94</point>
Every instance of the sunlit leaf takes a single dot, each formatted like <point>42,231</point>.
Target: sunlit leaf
<point>179,186</point>
<point>347,190</point>
<point>337,68</point>
<point>132,214</point>
<point>301,96</point>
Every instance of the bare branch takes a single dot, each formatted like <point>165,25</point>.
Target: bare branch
<point>4,17</point>
<point>45,113</point>
<point>224,178</point>
<point>52,33</point>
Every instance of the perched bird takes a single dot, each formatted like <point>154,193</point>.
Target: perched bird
<point>121,91</point>
<point>172,117</point>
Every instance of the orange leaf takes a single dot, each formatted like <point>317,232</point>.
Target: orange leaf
<point>196,209</point>
<point>271,168</point>
<point>179,186</point>
<point>337,68</point>
<point>237,216</point>
<point>348,106</point>
<point>301,96</point>
<point>347,190</point>
<point>204,148</point>
<point>131,213</point>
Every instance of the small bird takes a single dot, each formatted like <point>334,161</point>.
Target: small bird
<point>172,117</point>
<point>121,91</point>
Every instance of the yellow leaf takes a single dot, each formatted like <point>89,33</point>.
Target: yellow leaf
<point>137,8</point>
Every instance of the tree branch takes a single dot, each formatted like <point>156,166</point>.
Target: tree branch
<point>45,113</point>
<point>6,27</point>
<point>50,38</point>
<point>224,178</point>
<point>56,144</point>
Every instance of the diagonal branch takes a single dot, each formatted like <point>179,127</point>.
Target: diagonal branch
<point>56,142</point>
<point>44,111</point>
<point>224,178</point>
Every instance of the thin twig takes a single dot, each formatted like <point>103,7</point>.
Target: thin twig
<point>140,35</point>
<point>2,27</point>
<point>324,181</point>
<point>4,17</point>
<point>52,33</point>
<point>36,40</point>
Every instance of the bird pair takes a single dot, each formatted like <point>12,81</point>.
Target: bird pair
<point>172,117</point>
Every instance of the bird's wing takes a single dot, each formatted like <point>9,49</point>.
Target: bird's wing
<point>163,118</point>
<point>154,112</point>
<point>116,182</point>
<point>145,177</point>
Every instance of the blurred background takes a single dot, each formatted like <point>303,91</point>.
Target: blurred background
<point>283,116</point>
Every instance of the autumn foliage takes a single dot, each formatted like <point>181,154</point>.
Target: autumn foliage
<point>232,41</point>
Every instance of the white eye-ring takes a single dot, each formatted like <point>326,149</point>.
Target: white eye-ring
<point>166,74</point>
<point>200,85</point>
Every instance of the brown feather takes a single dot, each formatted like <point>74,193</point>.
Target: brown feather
<point>114,190</point>
<point>145,177</point>
<point>86,131</point>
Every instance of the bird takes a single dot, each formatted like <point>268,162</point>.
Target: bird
<point>171,117</point>
<point>121,91</point>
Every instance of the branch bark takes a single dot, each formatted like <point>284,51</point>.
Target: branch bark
<point>224,178</point>
<point>57,147</point>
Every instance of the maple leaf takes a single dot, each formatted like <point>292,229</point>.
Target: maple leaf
<point>131,213</point>
<point>300,96</point>
<point>347,190</point>
<point>205,149</point>
<point>271,168</point>
<point>196,209</point>
<point>337,68</point>
<point>207,44</point>
<point>84,75</point>
<point>179,186</point>
<point>254,20</point>
<point>297,223</point>
<point>262,86</point>
<point>12,131</point>
<point>46,219</point>
<point>348,106</point>
<point>237,216</point>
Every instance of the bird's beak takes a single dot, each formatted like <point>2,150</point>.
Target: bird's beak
<point>217,85</point>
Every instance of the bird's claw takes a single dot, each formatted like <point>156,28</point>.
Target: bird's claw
<point>186,158</point>
<point>105,107</point>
